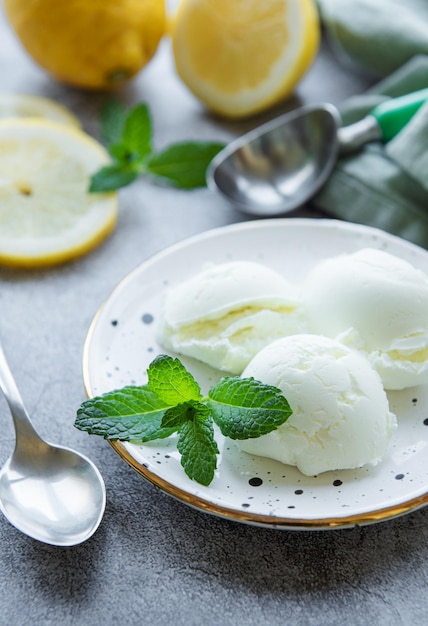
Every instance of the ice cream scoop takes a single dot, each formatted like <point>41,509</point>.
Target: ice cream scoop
<point>226,313</point>
<point>341,417</point>
<point>279,166</point>
<point>377,303</point>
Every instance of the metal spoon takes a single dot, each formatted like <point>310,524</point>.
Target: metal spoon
<point>50,493</point>
<point>278,166</point>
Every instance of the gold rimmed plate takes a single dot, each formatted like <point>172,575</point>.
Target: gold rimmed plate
<point>122,342</point>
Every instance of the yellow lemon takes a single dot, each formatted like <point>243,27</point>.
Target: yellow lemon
<point>47,215</point>
<point>97,44</point>
<point>21,105</point>
<point>240,57</point>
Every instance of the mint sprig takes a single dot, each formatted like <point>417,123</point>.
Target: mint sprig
<point>128,136</point>
<point>171,402</point>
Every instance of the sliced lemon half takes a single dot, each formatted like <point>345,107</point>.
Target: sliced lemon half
<point>22,105</point>
<point>47,215</point>
<point>243,56</point>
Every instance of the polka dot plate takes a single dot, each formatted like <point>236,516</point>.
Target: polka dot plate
<point>122,342</point>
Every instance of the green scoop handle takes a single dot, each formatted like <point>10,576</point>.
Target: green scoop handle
<point>393,115</point>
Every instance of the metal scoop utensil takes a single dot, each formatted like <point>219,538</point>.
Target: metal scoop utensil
<point>280,165</point>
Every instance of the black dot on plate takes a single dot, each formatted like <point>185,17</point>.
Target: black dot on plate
<point>426,421</point>
<point>414,400</point>
<point>298,492</point>
<point>245,505</point>
<point>114,322</point>
<point>337,483</point>
<point>255,482</point>
<point>399,477</point>
<point>147,318</point>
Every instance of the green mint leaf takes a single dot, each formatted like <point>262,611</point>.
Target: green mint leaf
<point>198,447</point>
<point>244,408</point>
<point>137,131</point>
<point>184,164</point>
<point>112,177</point>
<point>112,120</point>
<point>121,153</point>
<point>177,415</point>
<point>132,413</point>
<point>170,380</point>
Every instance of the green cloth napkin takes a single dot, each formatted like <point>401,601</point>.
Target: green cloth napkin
<point>377,35</point>
<point>385,186</point>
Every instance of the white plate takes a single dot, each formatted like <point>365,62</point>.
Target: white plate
<point>122,342</point>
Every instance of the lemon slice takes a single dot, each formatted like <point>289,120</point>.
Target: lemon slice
<point>47,215</point>
<point>243,56</point>
<point>21,105</point>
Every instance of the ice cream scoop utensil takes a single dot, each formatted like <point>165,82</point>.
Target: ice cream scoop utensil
<point>50,493</point>
<point>280,165</point>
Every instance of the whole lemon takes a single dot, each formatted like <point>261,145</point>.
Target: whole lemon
<point>93,44</point>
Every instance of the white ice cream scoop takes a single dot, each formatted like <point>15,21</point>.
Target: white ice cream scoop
<point>226,313</point>
<point>341,417</point>
<point>376,303</point>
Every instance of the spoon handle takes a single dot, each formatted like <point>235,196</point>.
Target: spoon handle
<point>393,115</point>
<point>21,420</point>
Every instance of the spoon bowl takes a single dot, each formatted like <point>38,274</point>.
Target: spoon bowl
<point>50,493</point>
<point>279,165</point>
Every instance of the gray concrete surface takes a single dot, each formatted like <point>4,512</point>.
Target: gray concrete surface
<point>154,560</point>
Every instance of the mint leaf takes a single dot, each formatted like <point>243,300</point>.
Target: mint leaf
<point>137,131</point>
<point>198,447</point>
<point>121,153</point>
<point>170,380</point>
<point>184,164</point>
<point>244,408</point>
<point>132,413</point>
<point>128,136</point>
<point>112,177</point>
<point>177,415</point>
<point>112,120</point>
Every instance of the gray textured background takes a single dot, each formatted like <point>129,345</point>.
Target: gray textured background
<point>154,560</point>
